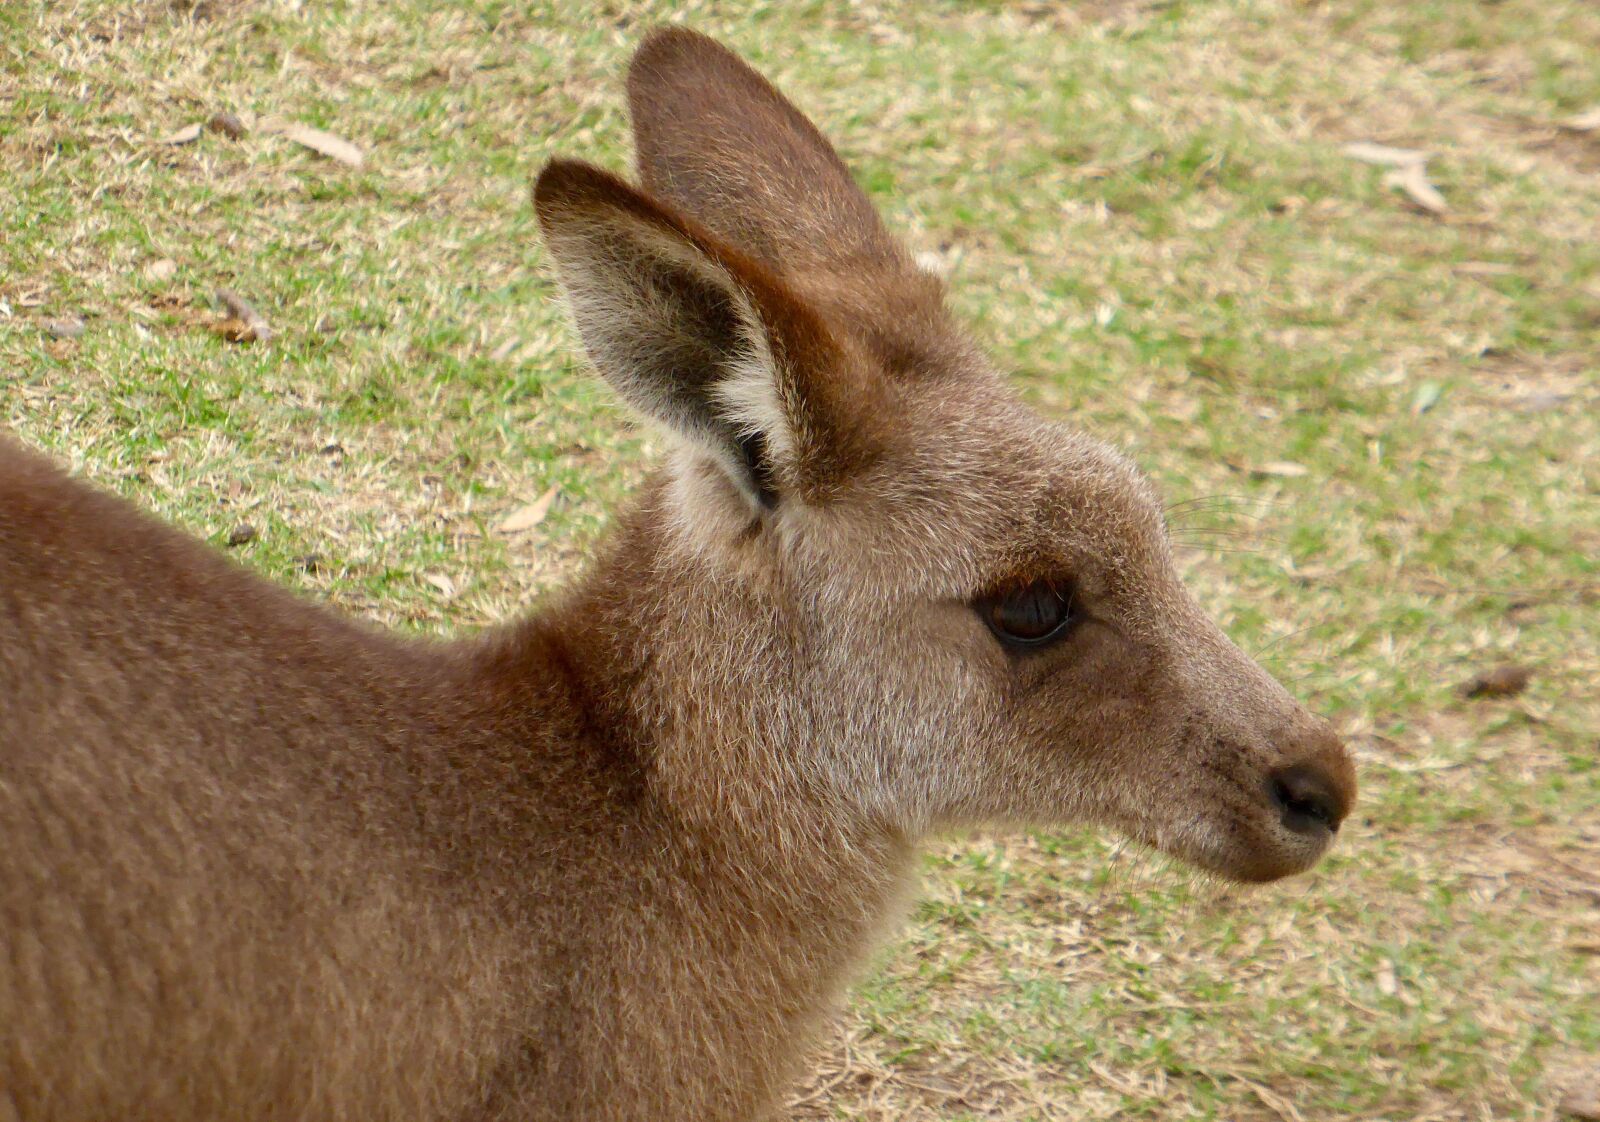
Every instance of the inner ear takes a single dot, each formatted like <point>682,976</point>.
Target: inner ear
<point>704,338</point>
<point>713,341</point>
<point>758,463</point>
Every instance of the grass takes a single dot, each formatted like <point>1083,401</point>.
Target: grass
<point>1383,427</point>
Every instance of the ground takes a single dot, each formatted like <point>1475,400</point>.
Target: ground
<point>1378,425</point>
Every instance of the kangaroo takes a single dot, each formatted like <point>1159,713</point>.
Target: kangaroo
<point>616,860</point>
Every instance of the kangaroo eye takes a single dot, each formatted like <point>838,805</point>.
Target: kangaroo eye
<point>1029,616</point>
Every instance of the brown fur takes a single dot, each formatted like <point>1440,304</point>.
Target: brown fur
<point>616,860</point>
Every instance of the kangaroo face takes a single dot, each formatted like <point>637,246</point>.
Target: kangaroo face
<point>1002,634</point>
<point>968,613</point>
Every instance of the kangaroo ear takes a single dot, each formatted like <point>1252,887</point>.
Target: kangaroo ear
<point>715,138</point>
<point>702,338</point>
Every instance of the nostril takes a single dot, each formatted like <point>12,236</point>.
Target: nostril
<point>1307,799</point>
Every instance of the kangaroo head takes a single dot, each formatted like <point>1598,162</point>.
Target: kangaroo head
<point>951,609</point>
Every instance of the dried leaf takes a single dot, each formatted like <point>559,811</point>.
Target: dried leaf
<point>244,324</point>
<point>234,330</point>
<point>186,135</point>
<point>242,534</point>
<point>1588,121</point>
<point>442,582</point>
<point>324,143</point>
<point>1283,468</point>
<point>65,328</point>
<point>160,270</point>
<point>526,518</point>
<point>1413,180</point>
<point>1500,681</point>
<point>1388,984</point>
<point>228,125</point>
<point>1370,152</point>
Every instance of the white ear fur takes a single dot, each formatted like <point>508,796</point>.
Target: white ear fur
<point>750,399</point>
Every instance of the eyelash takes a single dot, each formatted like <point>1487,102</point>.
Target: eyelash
<point>1039,614</point>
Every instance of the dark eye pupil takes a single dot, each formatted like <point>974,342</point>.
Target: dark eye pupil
<point>1030,615</point>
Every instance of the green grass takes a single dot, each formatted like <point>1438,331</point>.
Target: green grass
<point>1149,220</point>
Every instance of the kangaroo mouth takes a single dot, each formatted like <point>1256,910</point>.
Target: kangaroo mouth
<point>1274,836</point>
<point>1263,812</point>
<point>1243,860</point>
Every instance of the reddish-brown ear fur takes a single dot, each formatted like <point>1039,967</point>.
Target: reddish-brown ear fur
<point>718,141</point>
<point>715,138</point>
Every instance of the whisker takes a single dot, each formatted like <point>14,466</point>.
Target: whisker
<point>1224,532</point>
<point>1210,547</point>
<point>1236,503</point>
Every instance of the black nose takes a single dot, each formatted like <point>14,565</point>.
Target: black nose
<point>1307,798</point>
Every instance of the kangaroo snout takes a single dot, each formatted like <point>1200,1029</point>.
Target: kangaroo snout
<point>1309,798</point>
<point>1304,798</point>
<point>1271,782</point>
